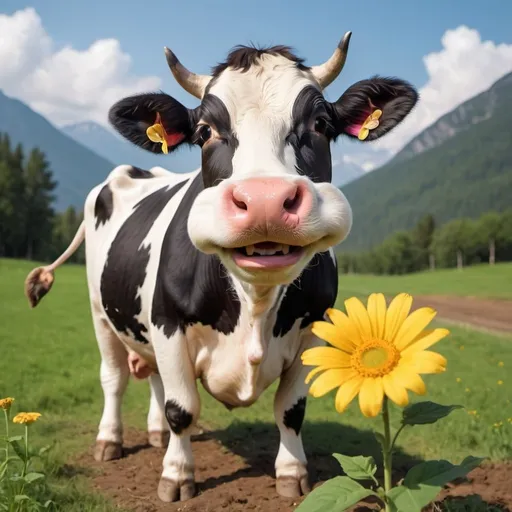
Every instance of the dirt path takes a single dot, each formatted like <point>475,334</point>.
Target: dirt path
<point>494,315</point>
<point>240,478</point>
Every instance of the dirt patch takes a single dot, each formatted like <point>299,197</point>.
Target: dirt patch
<point>494,315</point>
<point>240,478</point>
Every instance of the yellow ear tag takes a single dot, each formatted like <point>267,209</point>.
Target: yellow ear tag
<point>371,122</point>
<point>156,133</point>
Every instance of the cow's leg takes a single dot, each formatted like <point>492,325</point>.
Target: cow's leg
<point>158,428</point>
<point>114,375</point>
<point>182,406</point>
<point>289,410</point>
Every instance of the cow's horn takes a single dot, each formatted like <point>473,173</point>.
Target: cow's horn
<point>192,83</point>
<point>327,72</point>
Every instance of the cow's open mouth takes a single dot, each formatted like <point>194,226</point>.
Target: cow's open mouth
<point>267,255</point>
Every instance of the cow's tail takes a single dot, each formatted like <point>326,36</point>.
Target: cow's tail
<point>39,282</point>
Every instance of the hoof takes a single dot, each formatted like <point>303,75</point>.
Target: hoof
<point>159,438</point>
<point>170,490</point>
<point>107,450</point>
<point>291,487</point>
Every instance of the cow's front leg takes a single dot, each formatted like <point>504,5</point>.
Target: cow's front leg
<point>182,406</point>
<point>158,428</point>
<point>292,478</point>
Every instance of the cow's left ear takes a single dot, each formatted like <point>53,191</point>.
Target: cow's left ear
<point>371,108</point>
<point>155,122</point>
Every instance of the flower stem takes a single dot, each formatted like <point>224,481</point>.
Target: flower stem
<point>6,415</point>
<point>26,452</point>
<point>387,449</point>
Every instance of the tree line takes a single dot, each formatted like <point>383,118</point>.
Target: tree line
<point>457,243</point>
<point>29,226</point>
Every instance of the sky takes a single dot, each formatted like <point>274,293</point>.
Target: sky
<point>70,61</point>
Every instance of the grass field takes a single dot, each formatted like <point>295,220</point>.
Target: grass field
<point>476,281</point>
<point>49,361</point>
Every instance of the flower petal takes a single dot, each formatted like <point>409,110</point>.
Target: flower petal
<point>332,334</point>
<point>325,356</point>
<point>396,314</point>
<point>363,133</point>
<point>425,362</point>
<point>347,392</point>
<point>371,396</point>
<point>413,326</point>
<point>409,379</point>
<point>394,390</point>
<point>376,114</point>
<point>377,313</point>
<point>372,124</point>
<point>328,381</point>
<point>426,340</point>
<point>345,324</point>
<point>358,314</point>
<point>313,372</point>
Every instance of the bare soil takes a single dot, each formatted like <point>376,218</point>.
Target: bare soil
<point>489,314</point>
<point>239,477</point>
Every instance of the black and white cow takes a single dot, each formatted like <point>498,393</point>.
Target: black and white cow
<point>217,274</point>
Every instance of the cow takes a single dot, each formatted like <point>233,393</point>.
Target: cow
<point>216,275</point>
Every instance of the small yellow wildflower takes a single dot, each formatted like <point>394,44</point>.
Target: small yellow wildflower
<point>26,418</point>
<point>462,347</point>
<point>500,383</point>
<point>5,403</point>
<point>498,424</point>
<point>509,420</point>
<point>473,412</point>
<point>370,123</point>
<point>467,390</point>
<point>458,379</point>
<point>501,364</point>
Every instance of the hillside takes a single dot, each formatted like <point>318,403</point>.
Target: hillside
<point>76,168</point>
<point>465,169</point>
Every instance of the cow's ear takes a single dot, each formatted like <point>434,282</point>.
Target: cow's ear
<point>371,108</point>
<point>155,122</point>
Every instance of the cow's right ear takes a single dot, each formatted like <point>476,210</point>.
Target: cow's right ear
<point>155,122</point>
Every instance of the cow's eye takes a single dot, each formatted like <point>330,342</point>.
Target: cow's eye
<point>204,133</point>
<point>321,125</point>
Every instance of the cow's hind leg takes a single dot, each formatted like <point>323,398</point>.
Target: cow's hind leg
<point>182,405</point>
<point>289,410</point>
<point>158,428</point>
<point>114,375</point>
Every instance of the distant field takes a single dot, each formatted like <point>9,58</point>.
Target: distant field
<point>476,281</point>
<point>50,363</point>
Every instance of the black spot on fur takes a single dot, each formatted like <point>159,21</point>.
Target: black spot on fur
<point>294,417</point>
<point>309,295</point>
<point>125,268</point>
<point>139,174</point>
<point>178,418</point>
<point>104,206</point>
<point>243,57</point>
<point>191,286</point>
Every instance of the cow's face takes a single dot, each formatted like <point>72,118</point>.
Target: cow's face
<point>264,128</point>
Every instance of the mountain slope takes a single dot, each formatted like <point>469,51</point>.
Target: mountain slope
<point>118,150</point>
<point>467,171</point>
<point>76,168</point>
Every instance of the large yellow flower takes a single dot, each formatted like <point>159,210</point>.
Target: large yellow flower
<point>375,351</point>
<point>26,418</point>
<point>5,403</point>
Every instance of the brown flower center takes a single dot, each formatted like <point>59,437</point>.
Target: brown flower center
<point>375,358</point>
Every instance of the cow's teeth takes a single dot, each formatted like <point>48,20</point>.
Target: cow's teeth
<point>285,249</point>
<point>250,250</point>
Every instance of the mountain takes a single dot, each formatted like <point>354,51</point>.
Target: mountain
<point>460,166</point>
<point>111,146</point>
<point>76,168</point>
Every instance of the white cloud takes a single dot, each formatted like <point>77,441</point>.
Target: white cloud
<point>466,66</point>
<point>65,85</point>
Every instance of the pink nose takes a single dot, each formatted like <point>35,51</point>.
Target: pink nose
<point>267,203</point>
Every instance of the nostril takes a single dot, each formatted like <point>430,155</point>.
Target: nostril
<point>291,203</point>
<point>239,204</point>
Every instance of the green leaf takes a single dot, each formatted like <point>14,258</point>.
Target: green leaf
<point>359,468</point>
<point>424,482</point>
<point>20,452</point>
<point>12,439</point>
<point>21,497</point>
<point>16,478</point>
<point>335,495</point>
<point>380,438</point>
<point>424,413</point>
<point>44,449</point>
<point>48,503</point>
<point>32,477</point>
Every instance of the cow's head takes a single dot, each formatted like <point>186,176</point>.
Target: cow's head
<point>264,128</point>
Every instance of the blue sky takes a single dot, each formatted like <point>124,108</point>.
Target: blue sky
<point>49,57</point>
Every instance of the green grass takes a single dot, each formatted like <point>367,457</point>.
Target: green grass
<point>50,363</point>
<point>476,281</point>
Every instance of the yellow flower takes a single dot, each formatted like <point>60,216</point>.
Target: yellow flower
<point>375,351</point>
<point>26,417</point>
<point>467,390</point>
<point>501,364</point>
<point>370,123</point>
<point>473,412</point>
<point>498,424</point>
<point>500,383</point>
<point>156,133</point>
<point>5,403</point>
<point>458,379</point>
<point>461,347</point>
